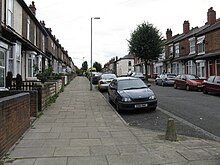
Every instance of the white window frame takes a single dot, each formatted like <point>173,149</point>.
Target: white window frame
<point>201,68</point>
<point>9,13</point>
<point>177,50</point>
<point>28,27</point>
<point>201,45</point>
<point>191,67</point>
<point>192,45</point>
<point>170,50</point>
<point>2,68</point>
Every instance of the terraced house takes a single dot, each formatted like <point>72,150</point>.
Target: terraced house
<point>26,45</point>
<point>196,50</point>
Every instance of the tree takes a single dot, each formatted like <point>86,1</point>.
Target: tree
<point>84,66</point>
<point>146,42</point>
<point>98,66</point>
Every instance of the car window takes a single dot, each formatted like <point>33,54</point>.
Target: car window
<point>108,76</point>
<point>131,83</point>
<point>171,75</point>
<point>217,79</point>
<point>192,77</point>
<point>210,79</point>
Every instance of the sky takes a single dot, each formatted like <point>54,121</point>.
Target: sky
<point>70,21</point>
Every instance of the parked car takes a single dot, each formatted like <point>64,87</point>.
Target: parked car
<point>138,75</point>
<point>188,82</point>
<point>105,80</point>
<point>95,77</point>
<point>166,79</point>
<point>130,93</point>
<point>212,85</point>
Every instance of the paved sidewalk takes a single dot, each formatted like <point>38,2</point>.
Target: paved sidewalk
<point>81,128</point>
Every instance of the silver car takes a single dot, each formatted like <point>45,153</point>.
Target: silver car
<point>105,80</point>
<point>166,79</point>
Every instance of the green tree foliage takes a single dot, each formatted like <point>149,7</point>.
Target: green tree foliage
<point>146,42</point>
<point>98,66</point>
<point>84,66</point>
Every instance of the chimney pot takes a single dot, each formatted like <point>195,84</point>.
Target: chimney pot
<point>169,34</point>
<point>211,16</point>
<point>32,8</point>
<point>186,27</point>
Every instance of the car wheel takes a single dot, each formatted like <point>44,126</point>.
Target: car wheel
<point>175,86</point>
<point>187,88</point>
<point>204,90</point>
<point>156,83</point>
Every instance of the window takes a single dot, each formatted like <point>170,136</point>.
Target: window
<point>175,68</point>
<point>201,44</point>
<point>11,61</point>
<point>217,79</point>
<point>192,45</point>
<point>129,63</point>
<point>10,18</point>
<point>191,67</point>
<point>201,68</point>
<point>2,68</point>
<point>177,50</point>
<point>28,28</point>
<point>171,50</point>
<point>210,79</point>
<point>18,58</point>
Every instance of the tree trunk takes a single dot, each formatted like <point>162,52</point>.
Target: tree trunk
<point>146,72</point>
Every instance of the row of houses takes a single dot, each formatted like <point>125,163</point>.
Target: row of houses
<point>194,51</point>
<point>27,46</point>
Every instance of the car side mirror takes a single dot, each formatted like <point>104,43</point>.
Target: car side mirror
<point>148,85</point>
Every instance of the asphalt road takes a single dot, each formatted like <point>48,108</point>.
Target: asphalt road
<point>195,113</point>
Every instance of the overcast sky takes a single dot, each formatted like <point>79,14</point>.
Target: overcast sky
<point>70,21</point>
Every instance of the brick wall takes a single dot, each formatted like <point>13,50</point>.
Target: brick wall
<point>212,41</point>
<point>14,119</point>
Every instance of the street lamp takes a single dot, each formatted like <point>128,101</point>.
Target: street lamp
<point>91,53</point>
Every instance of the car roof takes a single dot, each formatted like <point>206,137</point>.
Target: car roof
<point>126,78</point>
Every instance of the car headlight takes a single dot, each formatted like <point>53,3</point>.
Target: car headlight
<point>152,97</point>
<point>126,99</point>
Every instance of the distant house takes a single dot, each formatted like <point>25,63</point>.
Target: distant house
<point>124,65</point>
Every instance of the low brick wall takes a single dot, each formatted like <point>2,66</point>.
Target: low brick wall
<point>14,119</point>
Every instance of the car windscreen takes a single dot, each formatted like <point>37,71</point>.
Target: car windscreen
<point>171,75</point>
<point>131,84</point>
<point>108,76</point>
<point>192,77</point>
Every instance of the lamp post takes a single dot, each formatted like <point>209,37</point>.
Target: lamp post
<point>91,53</point>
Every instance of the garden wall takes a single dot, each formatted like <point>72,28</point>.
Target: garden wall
<point>14,119</point>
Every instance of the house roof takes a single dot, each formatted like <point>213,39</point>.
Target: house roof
<point>129,56</point>
<point>210,28</point>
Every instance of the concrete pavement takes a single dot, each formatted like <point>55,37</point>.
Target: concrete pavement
<point>81,128</point>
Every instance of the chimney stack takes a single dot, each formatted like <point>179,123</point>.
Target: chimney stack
<point>186,27</point>
<point>211,16</point>
<point>169,34</point>
<point>32,8</point>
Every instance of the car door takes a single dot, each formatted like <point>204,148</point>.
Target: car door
<point>216,84</point>
<point>183,81</point>
<point>112,90</point>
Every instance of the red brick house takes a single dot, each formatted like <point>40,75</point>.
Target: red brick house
<point>196,50</point>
